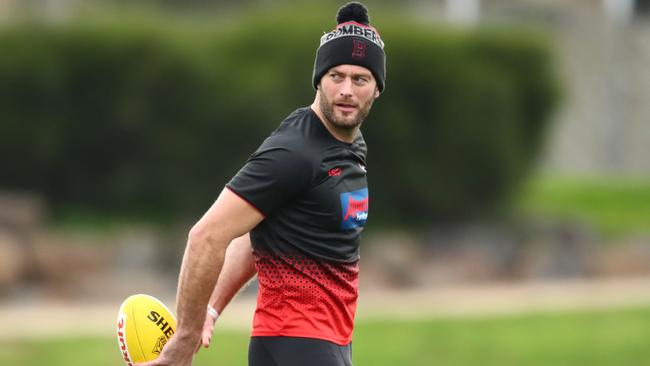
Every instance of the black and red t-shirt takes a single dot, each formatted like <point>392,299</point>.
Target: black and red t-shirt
<point>312,190</point>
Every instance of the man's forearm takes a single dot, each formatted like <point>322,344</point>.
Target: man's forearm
<point>202,263</point>
<point>227,219</point>
<point>238,268</point>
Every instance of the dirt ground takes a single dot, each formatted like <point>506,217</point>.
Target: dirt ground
<point>53,319</point>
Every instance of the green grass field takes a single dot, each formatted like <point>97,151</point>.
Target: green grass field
<point>595,338</point>
<point>615,207</point>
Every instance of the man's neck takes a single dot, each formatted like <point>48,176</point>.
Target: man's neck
<point>344,135</point>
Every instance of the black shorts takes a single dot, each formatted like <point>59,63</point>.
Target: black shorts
<point>294,351</point>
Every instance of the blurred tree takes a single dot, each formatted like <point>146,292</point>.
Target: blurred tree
<point>156,117</point>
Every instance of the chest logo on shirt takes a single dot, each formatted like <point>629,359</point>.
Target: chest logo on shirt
<point>335,172</point>
<point>354,209</point>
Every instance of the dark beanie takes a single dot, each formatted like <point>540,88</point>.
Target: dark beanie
<point>354,42</point>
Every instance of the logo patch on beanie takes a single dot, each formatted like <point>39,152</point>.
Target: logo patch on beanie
<point>358,49</point>
<point>353,29</point>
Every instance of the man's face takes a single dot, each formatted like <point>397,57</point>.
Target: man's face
<point>346,95</point>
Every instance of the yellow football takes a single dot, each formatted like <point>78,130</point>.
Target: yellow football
<point>144,326</point>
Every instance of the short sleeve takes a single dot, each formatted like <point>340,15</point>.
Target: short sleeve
<point>275,174</point>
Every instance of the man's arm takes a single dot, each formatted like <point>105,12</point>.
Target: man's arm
<point>238,269</point>
<point>229,217</point>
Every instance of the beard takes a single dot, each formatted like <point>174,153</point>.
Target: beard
<point>341,120</point>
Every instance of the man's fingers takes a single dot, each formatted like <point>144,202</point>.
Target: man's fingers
<point>206,340</point>
<point>206,337</point>
<point>206,333</point>
<point>156,362</point>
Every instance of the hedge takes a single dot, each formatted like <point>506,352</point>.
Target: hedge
<point>122,118</point>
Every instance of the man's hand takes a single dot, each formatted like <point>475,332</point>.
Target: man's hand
<point>179,351</point>
<point>206,332</point>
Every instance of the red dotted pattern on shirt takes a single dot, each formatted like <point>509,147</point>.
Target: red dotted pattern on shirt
<point>305,297</point>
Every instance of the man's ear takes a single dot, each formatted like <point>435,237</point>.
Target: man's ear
<point>377,93</point>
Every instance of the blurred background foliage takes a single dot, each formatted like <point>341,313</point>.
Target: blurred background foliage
<point>149,116</point>
<point>528,249</point>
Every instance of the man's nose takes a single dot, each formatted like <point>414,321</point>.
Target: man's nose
<point>346,88</point>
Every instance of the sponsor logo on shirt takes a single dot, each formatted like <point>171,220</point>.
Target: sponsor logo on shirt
<point>335,172</point>
<point>354,209</point>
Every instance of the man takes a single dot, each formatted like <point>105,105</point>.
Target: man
<point>293,215</point>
